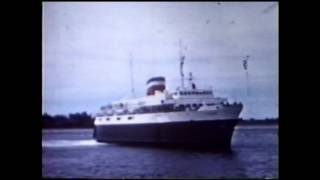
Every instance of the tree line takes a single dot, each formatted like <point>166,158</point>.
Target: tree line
<point>75,120</point>
<point>266,121</point>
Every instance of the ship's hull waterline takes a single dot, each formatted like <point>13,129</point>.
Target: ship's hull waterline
<point>206,133</point>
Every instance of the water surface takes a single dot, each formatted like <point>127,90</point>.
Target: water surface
<point>74,154</point>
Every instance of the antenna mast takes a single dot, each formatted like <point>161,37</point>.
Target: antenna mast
<point>182,57</point>
<point>131,76</point>
<point>245,66</point>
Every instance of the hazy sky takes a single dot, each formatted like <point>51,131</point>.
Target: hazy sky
<point>87,46</point>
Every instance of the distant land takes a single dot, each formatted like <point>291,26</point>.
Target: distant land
<point>84,120</point>
<point>267,121</point>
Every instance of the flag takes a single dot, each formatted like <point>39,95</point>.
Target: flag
<point>245,64</point>
<point>182,61</point>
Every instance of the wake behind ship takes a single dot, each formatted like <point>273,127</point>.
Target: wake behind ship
<point>186,117</point>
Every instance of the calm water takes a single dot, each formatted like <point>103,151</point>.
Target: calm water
<point>74,154</point>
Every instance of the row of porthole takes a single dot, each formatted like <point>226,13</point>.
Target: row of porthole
<point>192,93</point>
<point>195,105</point>
<point>189,105</point>
<point>118,118</point>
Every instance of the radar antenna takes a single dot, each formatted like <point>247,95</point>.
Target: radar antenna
<point>192,85</point>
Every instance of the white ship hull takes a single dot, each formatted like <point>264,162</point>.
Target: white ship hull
<point>225,113</point>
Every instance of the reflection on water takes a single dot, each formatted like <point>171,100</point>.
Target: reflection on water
<point>70,143</point>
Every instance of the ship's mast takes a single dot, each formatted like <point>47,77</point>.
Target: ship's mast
<point>182,57</point>
<point>131,76</point>
<point>245,66</point>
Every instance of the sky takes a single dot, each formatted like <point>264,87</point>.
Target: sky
<point>86,51</point>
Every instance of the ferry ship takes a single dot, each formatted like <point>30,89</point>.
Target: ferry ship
<point>188,116</point>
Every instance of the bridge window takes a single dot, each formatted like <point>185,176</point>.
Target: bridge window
<point>118,118</point>
<point>129,118</point>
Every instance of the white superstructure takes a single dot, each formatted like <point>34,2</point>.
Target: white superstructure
<point>161,106</point>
